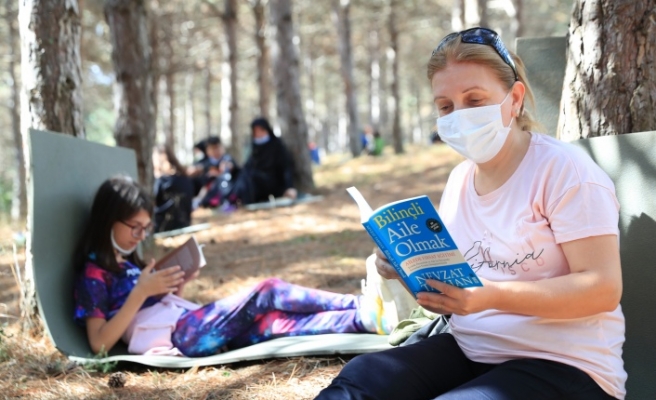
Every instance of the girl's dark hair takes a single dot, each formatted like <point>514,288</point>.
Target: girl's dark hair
<point>117,199</point>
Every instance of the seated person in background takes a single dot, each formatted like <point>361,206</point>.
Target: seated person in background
<point>378,145</point>
<point>117,293</point>
<point>268,171</point>
<point>195,171</point>
<point>173,191</point>
<point>217,171</point>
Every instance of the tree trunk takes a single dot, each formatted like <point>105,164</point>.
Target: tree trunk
<point>519,16</point>
<point>341,11</point>
<point>19,198</point>
<point>263,59</point>
<point>384,125</point>
<point>458,15</point>
<point>374,79</point>
<point>189,118</point>
<point>610,80</point>
<point>169,107</point>
<point>133,90</point>
<point>288,93</point>
<point>472,18</point>
<point>230,52</point>
<point>154,40</point>
<point>50,96</point>
<point>50,32</point>
<point>312,117</point>
<point>483,14</point>
<point>397,136</point>
<point>207,107</point>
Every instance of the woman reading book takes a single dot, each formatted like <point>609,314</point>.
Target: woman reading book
<point>119,296</point>
<point>537,220</point>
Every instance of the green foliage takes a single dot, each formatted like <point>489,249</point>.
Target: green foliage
<point>5,354</point>
<point>5,198</point>
<point>99,126</point>
<point>98,365</point>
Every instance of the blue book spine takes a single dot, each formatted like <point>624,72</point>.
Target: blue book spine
<point>414,239</point>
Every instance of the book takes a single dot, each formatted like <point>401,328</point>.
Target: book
<point>189,256</point>
<point>412,236</point>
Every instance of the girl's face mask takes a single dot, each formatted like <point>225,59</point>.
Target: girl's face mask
<point>124,252</point>
<point>477,133</point>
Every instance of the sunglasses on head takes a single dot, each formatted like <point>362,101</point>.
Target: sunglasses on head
<point>481,36</point>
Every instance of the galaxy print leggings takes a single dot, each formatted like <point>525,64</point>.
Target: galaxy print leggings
<point>273,308</point>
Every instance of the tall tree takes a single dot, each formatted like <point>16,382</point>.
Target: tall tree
<point>288,93</point>
<point>19,199</point>
<point>483,13</point>
<point>50,95</point>
<point>207,106</point>
<point>610,80</point>
<point>518,24</point>
<point>230,24</point>
<point>168,73</point>
<point>458,15</point>
<point>263,59</point>
<point>397,135</point>
<point>374,79</point>
<point>229,81</point>
<point>341,10</point>
<point>50,35</point>
<point>133,90</point>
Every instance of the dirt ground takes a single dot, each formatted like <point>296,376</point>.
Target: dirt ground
<point>319,245</point>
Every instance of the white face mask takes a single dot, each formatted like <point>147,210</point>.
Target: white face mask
<point>119,248</point>
<point>477,133</point>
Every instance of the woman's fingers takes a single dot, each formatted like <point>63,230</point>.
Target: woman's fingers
<point>379,253</point>
<point>385,269</point>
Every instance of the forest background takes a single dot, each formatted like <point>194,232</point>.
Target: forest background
<point>360,63</point>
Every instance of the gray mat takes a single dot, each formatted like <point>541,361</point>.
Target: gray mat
<point>630,161</point>
<point>66,172</point>
<point>283,202</point>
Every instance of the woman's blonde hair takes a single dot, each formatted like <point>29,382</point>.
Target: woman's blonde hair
<point>457,51</point>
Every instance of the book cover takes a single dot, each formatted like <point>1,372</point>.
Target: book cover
<point>189,256</point>
<point>415,241</point>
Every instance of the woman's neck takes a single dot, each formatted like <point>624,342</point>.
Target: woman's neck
<point>493,174</point>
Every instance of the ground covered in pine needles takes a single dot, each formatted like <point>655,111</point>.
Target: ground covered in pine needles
<point>319,245</point>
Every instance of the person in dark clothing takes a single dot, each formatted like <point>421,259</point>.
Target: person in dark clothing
<point>195,171</point>
<point>216,173</point>
<point>268,171</point>
<point>173,192</point>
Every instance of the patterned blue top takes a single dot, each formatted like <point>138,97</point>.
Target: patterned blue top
<point>100,293</point>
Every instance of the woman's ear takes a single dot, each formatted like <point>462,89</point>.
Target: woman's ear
<point>518,91</point>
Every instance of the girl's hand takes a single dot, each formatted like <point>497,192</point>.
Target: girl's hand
<point>454,300</point>
<point>385,269</point>
<point>152,283</point>
<point>180,288</point>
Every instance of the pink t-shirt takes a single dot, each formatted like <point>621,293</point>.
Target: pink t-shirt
<point>558,194</point>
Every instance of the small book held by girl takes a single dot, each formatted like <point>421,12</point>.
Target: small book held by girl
<point>189,256</point>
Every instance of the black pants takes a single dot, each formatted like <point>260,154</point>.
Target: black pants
<point>254,186</point>
<point>436,368</point>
